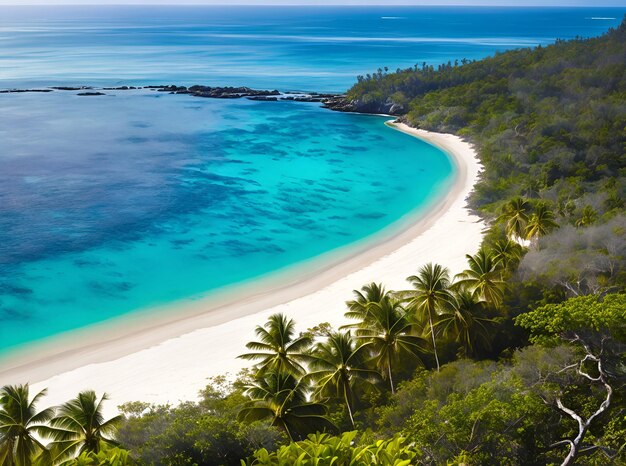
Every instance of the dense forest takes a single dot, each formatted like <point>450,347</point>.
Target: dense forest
<point>549,123</point>
<point>517,360</point>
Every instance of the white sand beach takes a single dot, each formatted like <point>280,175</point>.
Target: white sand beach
<point>166,357</point>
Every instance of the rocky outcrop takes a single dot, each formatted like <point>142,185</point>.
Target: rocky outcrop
<point>120,88</point>
<point>70,88</point>
<point>337,102</point>
<point>15,91</point>
<point>216,92</point>
<point>343,104</point>
<point>309,97</point>
<point>264,98</point>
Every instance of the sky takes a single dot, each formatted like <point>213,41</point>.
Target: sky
<point>580,3</point>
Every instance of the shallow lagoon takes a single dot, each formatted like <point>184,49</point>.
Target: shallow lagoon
<point>116,203</point>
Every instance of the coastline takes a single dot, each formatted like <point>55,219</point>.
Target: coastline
<point>162,357</point>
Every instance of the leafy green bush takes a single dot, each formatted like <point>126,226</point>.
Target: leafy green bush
<point>105,457</point>
<point>344,450</point>
<point>580,314</point>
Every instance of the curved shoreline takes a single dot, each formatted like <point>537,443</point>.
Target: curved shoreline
<point>170,359</point>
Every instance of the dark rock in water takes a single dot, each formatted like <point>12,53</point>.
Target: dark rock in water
<point>215,92</point>
<point>69,88</point>
<point>308,99</point>
<point>342,104</point>
<point>16,91</point>
<point>171,89</point>
<point>121,88</point>
<point>331,101</point>
<point>324,96</point>
<point>263,98</point>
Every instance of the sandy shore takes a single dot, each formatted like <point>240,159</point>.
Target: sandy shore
<point>167,356</point>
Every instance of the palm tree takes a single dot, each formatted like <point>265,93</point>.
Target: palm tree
<point>430,295</point>
<point>587,217</point>
<point>339,368</point>
<point>280,398</point>
<point>515,214</point>
<point>541,222</point>
<point>80,426</point>
<point>372,293</point>
<point>507,252</point>
<point>389,333</point>
<point>277,349</point>
<point>566,207</point>
<point>22,427</point>
<point>467,324</point>
<point>483,278</point>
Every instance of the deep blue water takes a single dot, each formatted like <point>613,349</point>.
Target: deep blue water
<point>310,48</point>
<point>117,203</point>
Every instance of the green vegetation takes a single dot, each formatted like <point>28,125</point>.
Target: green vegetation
<point>549,123</point>
<point>346,449</point>
<point>278,350</point>
<point>21,424</point>
<point>56,435</point>
<point>518,360</point>
<point>556,401</point>
<point>81,428</point>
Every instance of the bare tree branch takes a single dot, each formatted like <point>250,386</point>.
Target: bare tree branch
<point>575,445</point>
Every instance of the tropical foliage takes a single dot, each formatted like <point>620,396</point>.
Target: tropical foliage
<point>549,125</point>
<point>22,426</point>
<point>347,449</point>
<point>339,370</point>
<point>105,457</point>
<point>80,426</point>
<point>430,297</point>
<point>277,350</point>
<point>56,435</point>
<point>519,359</point>
<point>388,333</point>
<point>282,400</point>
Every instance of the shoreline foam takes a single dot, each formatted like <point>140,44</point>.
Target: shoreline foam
<point>170,359</point>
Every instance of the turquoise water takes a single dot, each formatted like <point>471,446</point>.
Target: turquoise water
<point>135,199</point>
<point>139,199</point>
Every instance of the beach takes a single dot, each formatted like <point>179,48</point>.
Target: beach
<point>166,355</point>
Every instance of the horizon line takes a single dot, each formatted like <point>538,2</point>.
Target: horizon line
<point>352,4</point>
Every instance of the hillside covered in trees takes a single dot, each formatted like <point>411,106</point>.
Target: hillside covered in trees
<point>518,360</point>
<point>550,125</point>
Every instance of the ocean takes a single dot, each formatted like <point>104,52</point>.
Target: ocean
<point>118,203</point>
<point>291,48</point>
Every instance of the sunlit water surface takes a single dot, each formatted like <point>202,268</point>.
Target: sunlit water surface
<point>121,202</point>
<point>306,48</point>
<point>125,201</point>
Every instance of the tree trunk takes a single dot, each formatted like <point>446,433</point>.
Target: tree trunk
<point>432,334</point>
<point>347,398</point>
<point>393,391</point>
